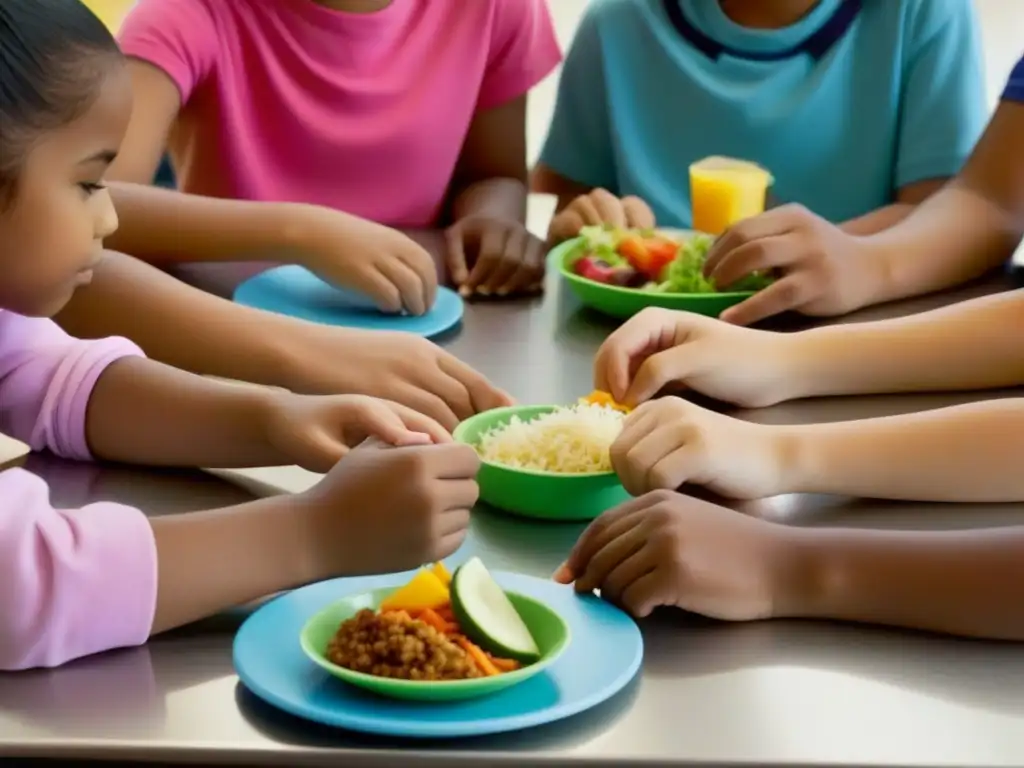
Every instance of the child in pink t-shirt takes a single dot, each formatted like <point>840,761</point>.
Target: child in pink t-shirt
<point>74,582</point>
<point>404,113</point>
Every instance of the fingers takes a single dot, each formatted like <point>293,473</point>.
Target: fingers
<point>321,450</point>
<point>633,463</point>
<point>781,296</point>
<point>409,284</point>
<point>759,256</point>
<point>483,395</point>
<point>625,571</point>
<point>458,496</point>
<point>528,276</point>
<point>595,535</point>
<point>452,461</point>
<point>620,541</point>
<point>456,519</point>
<point>609,209</point>
<point>416,258</point>
<point>441,406</point>
<point>633,341</point>
<point>565,226</point>
<point>382,419</point>
<point>508,264</point>
<point>457,265</point>
<point>645,594</point>
<point>492,248</point>
<point>774,223</point>
<point>419,423</point>
<point>379,287</point>
<point>638,213</point>
<point>671,366</point>
<point>449,545</point>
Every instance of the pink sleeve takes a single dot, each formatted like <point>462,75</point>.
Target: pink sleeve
<point>177,36</point>
<point>524,50</point>
<point>72,583</point>
<point>46,378</point>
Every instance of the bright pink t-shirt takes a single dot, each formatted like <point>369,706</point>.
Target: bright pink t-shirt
<point>287,100</point>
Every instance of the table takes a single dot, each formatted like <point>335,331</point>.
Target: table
<point>780,694</point>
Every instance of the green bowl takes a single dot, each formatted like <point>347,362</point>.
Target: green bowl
<point>535,493</point>
<point>622,303</point>
<point>548,628</point>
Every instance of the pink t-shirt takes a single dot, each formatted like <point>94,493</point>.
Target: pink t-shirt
<point>287,100</point>
<point>72,582</point>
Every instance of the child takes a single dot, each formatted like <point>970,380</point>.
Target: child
<point>666,549</point>
<point>860,109</point>
<point>77,582</point>
<point>406,115</point>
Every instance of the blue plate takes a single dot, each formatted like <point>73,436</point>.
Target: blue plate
<point>604,656</point>
<point>295,291</point>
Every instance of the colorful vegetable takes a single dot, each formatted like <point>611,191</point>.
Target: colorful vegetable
<point>425,590</point>
<point>604,399</point>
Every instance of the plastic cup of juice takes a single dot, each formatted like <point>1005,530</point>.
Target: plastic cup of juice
<point>724,191</point>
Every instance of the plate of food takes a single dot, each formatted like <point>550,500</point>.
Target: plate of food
<point>444,637</point>
<point>535,652</point>
<point>621,271</point>
<point>548,461</point>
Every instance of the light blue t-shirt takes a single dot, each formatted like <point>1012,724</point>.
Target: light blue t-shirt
<point>844,107</point>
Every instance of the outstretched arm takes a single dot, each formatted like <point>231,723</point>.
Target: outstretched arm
<point>970,453</point>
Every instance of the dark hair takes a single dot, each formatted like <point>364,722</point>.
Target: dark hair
<point>53,55</point>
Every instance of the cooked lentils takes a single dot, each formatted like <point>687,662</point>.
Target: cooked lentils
<point>393,644</point>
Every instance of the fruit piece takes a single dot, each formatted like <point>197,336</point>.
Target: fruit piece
<point>424,591</point>
<point>598,397</point>
<point>442,573</point>
<point>487,616</point>
<point>724,191</point>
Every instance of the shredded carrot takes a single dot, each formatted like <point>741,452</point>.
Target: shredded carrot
<point>446,613</point>
<point>478,657</point>
<point>431,617</point>
<point>504,665</point>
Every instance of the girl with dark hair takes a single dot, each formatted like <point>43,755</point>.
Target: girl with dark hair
<point>74,582</point>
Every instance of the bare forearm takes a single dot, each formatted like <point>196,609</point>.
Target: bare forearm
<point>144,412</point>
<point>970,453</point>
<point>968,583</point>
<point>180,325</point>
<point>167,227</point>
<point>497,198</point>
<point>878,220</point>
<point>211,561</point>
<point>969,346</point>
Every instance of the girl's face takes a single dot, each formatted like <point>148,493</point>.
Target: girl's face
<point>52,230</point>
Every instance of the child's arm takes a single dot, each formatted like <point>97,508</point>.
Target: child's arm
<point>968,228</point>
<point>73,583</point>
<point>968,453</point>
<point>694,555</point>
<point>968,346</point>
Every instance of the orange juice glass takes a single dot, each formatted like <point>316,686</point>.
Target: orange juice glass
<point>724,191</point>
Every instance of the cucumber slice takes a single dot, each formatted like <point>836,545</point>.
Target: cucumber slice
<point>488,617</point>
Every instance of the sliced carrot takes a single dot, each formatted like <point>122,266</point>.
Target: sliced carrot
<point>429,616</point>
<point>478,657</point>
<point>504,665</point>
<point>446,613</point>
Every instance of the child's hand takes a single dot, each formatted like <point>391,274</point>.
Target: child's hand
<point>823,270</point>
<point>401,367</point>
<point>315,432</point>
<point>669,549</point>
<point>668,442</point>
<point>494,257</point>
<point>600,207</point>
<point>384,509</point>
<point>659,347</point>
<point>382,263</point>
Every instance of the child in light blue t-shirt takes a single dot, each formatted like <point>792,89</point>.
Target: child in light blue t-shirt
<point>860,109</point>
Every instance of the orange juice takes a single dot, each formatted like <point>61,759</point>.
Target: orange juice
<point>724,191</point>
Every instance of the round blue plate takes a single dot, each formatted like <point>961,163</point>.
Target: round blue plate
<point>603,656</point>
<point>295,291</point>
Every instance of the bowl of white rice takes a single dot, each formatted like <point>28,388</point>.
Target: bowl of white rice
<point>546,461</point>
